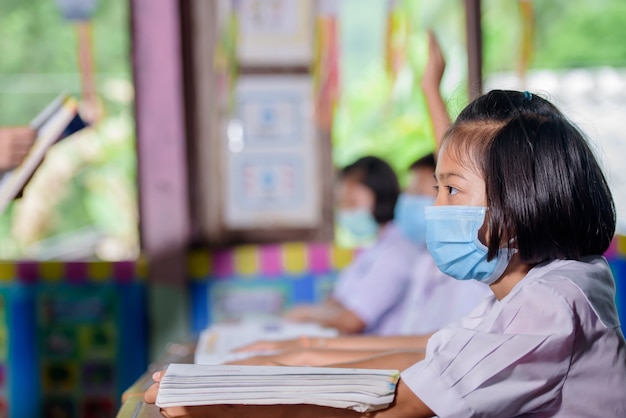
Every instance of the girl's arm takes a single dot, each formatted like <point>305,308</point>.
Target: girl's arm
<point>394,360</point>
<point>356,342</point>
<point>431,85</point>
<point>308,357</point>
<point>321,357</point>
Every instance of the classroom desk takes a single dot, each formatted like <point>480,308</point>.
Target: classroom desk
<point>132,399</point>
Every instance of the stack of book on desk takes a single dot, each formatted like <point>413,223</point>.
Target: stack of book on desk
<point>362,390</point>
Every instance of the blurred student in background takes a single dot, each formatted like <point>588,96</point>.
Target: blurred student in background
<point>432,300</point>
<point>369,295</point>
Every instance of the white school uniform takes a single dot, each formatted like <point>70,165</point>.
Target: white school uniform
<point>551,348</point>
<point>375,285</point>
<point>436,299</point>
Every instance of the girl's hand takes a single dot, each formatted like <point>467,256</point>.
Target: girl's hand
<point>433,73</point>
<point>15,143</point>
<point>174,412</point>
<point>151,394</point>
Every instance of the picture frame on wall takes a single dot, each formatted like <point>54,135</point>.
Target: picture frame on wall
<point>275,32</point>
<point>271,155</point>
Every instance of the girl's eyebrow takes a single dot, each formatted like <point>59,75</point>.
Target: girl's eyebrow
<point>444,176</point>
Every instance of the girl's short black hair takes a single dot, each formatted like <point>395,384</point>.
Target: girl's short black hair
<point>545,189</point>
<point>379,177</point>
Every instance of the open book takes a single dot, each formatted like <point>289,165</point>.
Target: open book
<point>58,120</point>
<point>216,344</point>
<point>362,390</point>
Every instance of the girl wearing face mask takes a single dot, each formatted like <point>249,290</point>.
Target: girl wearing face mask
<point>367,193</point>
<point>369,294</point>
<point>523,206</point>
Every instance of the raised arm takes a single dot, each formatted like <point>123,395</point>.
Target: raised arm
<point>431,86</point>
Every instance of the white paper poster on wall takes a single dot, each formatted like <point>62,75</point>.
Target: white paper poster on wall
<point>275,32</point>
<point>271,155</point>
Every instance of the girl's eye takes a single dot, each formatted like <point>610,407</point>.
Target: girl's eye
<point>452,190</point>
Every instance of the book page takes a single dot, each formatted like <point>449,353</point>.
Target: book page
<point>216,344</point>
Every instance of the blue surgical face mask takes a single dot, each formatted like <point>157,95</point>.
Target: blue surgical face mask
<point>409,216</point>
<point>359,222</point>
<point>452,240</point>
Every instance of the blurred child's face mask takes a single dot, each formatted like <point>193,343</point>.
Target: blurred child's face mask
<point>409,216</point>
<point>359,222</point>
<point>452,240</point>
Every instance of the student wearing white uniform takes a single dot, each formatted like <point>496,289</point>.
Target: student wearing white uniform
<point>369,295</point>
<point>436,299</point>
<point>522,206</point>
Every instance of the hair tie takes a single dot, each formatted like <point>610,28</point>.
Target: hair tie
<point>528,95</point>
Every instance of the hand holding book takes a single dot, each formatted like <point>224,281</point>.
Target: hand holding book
<point>25,147</point>
<point>15,142</point>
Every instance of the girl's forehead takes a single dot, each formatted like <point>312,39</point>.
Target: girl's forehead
<point>452,164</point>
<point>465,151</point>
<point>451,154</point>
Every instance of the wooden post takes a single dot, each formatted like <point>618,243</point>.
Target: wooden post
<point>474,48</point>
<point>161,150</point>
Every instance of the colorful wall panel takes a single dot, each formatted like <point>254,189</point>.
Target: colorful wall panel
<point>260,280</point>
<point>73,336</point>
<point>617,259</point>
